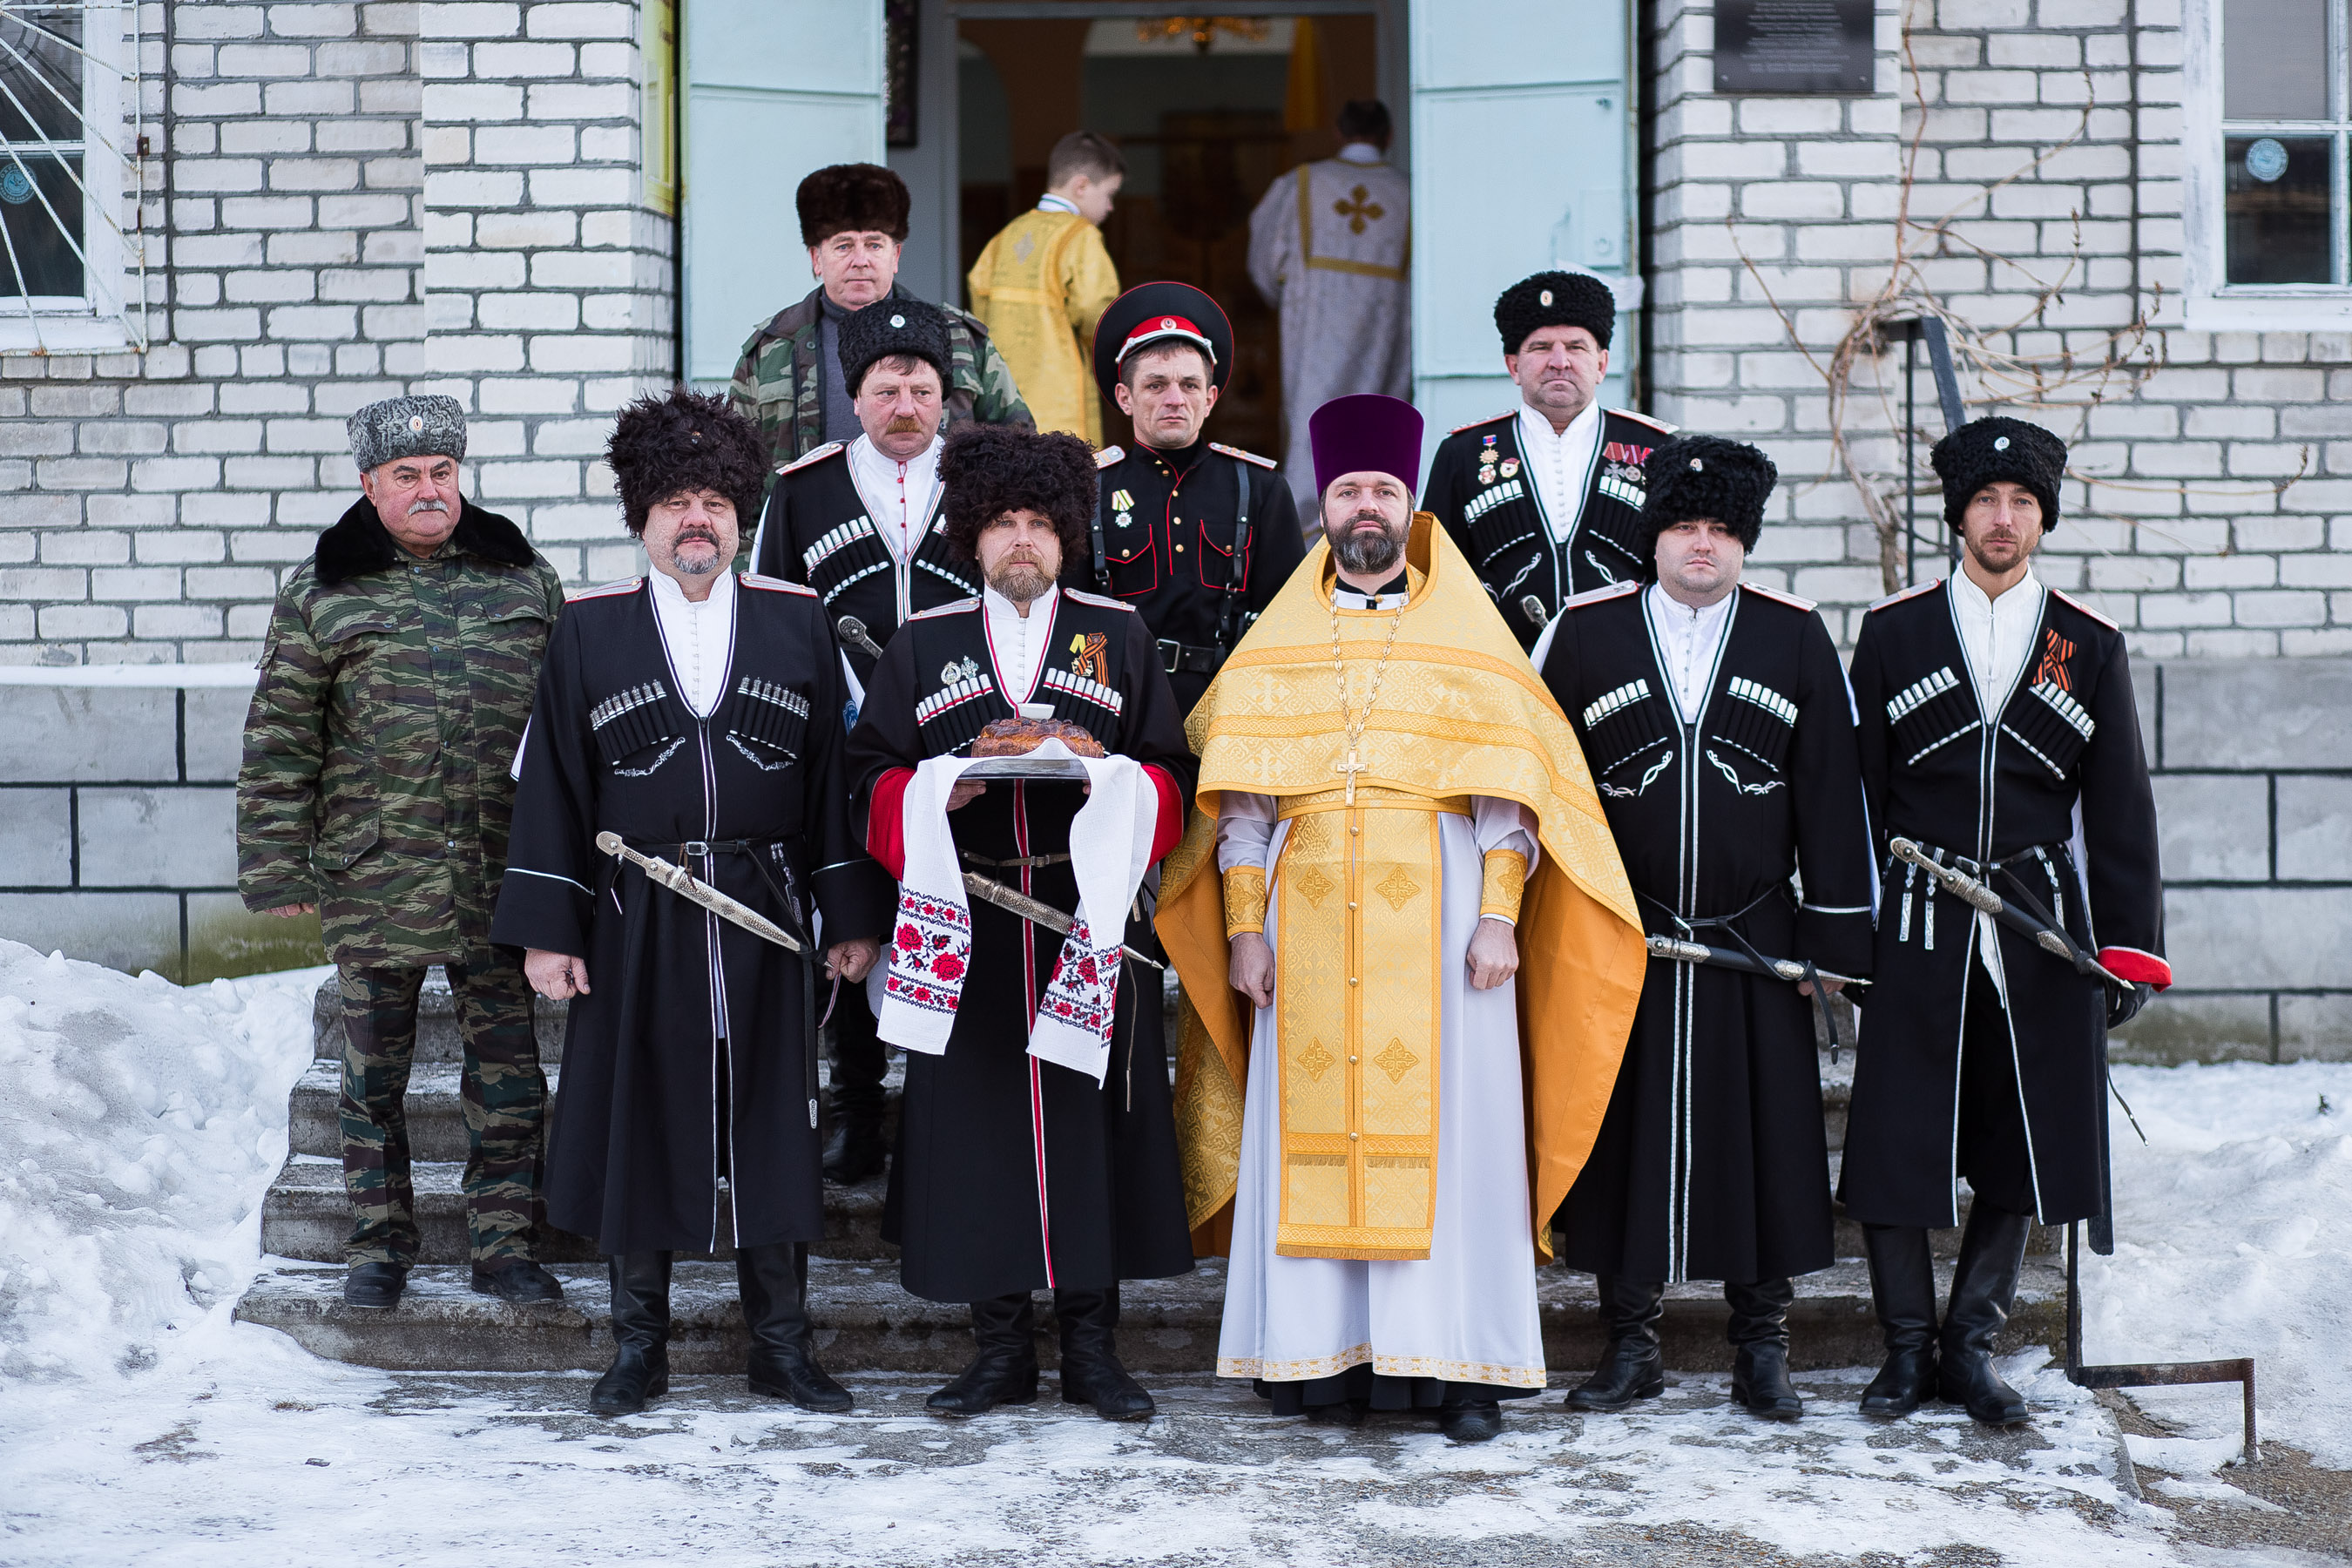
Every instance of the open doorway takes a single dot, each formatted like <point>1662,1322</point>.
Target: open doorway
<point>1208,111</point>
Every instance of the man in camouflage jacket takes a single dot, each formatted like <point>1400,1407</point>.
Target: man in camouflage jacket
<point>853,220</point>
<point>399,669</point>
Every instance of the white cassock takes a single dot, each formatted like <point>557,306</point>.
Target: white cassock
<point>1327,249</point>
<point>1467,1312</point>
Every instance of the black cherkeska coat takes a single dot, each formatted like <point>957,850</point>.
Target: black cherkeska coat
<point>2062,757</point>
<point>1480,489</point>
<point>815,531</point>
<point>691,1058</point>
<point>1170,524</point>
<point>1711,1163</point>
<point>1013,1175</point>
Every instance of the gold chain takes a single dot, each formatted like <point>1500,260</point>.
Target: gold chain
<point>1354,728</point>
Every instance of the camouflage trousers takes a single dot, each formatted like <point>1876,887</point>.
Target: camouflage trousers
<point>505,1098</point>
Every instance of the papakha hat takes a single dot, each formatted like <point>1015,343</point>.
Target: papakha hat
<point>892,325</point>
<point>398,427</point>
<point>1555,300</point>
<point>1694,476</point>
<point>1994,449</point>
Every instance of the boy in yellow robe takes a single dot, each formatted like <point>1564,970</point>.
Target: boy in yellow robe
<point>1044,279</point>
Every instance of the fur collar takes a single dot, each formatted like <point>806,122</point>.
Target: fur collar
<point>359,543</point>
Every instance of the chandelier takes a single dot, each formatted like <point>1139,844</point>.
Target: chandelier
<point>1202,30</point>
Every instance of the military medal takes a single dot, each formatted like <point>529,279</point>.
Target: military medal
<point>1123,519</point>
<point>1510,467</point>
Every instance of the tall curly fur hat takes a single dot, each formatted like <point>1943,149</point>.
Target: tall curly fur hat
<point>988,470</point>
<point>852,196</point>
<point>1555,300</point>
<point>685,441</point>
<point>1996,448</point>
<point>1691,477</point>
<point>892,326</point>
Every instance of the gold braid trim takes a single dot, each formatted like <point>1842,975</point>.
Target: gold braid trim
<point>1245,900</point>
<point>1506,882</point>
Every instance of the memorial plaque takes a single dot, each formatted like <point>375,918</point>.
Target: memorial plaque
<point>1794,45</point>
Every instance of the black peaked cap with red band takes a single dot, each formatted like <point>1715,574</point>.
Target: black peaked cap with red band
<point>1158,313</point>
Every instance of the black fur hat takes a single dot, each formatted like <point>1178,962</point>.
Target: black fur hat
<point>852,196</point>
<point>988,470</point>
<point>662,445</point>
<point>1691,477</point>
<point>1555,300</point>
<point>1985,451</point>
<point>892,326</point>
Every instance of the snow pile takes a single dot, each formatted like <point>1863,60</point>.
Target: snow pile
<point>139,1125</point>
<point>2233,1236</point>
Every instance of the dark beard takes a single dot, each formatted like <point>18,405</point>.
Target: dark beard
<point>1366,555</point>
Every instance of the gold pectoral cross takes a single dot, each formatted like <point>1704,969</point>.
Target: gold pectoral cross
<point>1351,767</point>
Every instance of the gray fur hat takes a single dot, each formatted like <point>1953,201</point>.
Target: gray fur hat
<point>407,428</point>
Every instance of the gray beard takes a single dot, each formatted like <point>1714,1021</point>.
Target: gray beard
<point>717,559</point>
<point>1367,555</point>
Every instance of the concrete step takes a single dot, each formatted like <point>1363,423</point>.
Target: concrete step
<point>436,1107</point>
<point>864,1323</point>
<point>306,1216</point>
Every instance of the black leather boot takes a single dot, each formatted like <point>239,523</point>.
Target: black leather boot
<point>640,1369</point>
<point>1006,1370</point>
<point>1091,1374</point>
<point>375,1286</point>
<point>1902,1291</point>
<point>856,1148</point>
<point>773,1282</point>
<point>1992,1251</point>
<point>1633,1367</point>
<point>1471,1420</point>
<point>1759,1333</point>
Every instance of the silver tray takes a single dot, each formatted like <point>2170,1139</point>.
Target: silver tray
<point>1067,769</point>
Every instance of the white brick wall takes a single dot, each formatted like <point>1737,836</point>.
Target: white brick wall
<point>332,235</point>
<point>2184,537</point>
<point>366,198</point>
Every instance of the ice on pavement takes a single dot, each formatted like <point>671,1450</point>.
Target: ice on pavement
<point>141,1123</point>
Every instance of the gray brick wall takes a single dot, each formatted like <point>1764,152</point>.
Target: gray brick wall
<point>116,827</point>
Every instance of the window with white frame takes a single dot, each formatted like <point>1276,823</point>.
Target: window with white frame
<point>62,166</point>
<point>2286,115</point>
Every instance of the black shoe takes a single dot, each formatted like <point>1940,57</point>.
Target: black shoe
<point>1006,1370</point>
<point>640,1369</point>
<point>1479,1423</point>
<point>375,1286</point>
<point>1992,1251</point>
<point>516,1279</point>
<point>856,1148</point>
<point>1902,1291</point>
<point>1091,1372</point>
<point>773,1282</point>
<point>1344,1412</point>
<point>1633,1367</point>
<point>1759,1331</point>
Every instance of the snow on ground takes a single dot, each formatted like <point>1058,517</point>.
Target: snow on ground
<point>2233,1236</point>
<point>139,1125</point>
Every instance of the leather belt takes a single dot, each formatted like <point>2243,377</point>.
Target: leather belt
<point>1179,658</point>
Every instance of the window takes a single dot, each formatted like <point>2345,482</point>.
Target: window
<point>62,248</point>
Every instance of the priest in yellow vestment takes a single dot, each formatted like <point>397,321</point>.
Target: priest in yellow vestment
<point>1411,958</point>
<point>1044,280</point>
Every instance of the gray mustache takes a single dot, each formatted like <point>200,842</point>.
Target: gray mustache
<point>436,505</point>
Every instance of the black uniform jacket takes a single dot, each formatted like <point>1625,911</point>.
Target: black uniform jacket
<point>1711,1162</point>
<point>817,531</point>
<point>1480,489</point>
<point>691,1056</point>
<point>2062,756</point>
<point>1168,523</point>
<point>1011,1174</point>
